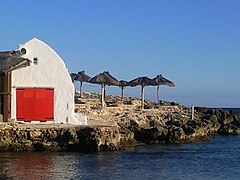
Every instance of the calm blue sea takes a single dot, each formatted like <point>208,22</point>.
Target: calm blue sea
<point>228,109</point>
<point>216,159</point>
<point>232,109</point>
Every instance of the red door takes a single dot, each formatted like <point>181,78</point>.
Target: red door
<point>35,104</point>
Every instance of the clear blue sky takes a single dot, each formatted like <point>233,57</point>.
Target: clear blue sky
<point>194,43</point>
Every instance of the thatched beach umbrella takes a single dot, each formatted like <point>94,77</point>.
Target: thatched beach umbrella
<point>162,81</point>
<point>73,76</point>
<point>82,77</point>
<point>122,85</point>
<point>104,78</point>
<point>11,60</point>
<point>142,81</point>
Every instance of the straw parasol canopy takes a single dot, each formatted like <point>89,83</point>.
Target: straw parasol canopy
<point>122,85</point>
<point>82,77</point>
<point>104,78</point>
<point>142,81</point>
<point>73,76</point>
<point>11,60</point>
<point>162,81</point>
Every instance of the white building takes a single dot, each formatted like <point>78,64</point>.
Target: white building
<point>41,91</point>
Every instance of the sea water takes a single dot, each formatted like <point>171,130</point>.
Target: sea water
<point>215,159</point>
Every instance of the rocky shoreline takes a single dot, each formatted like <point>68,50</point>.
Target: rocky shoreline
<point>62,138</point>
<point>121,124</point>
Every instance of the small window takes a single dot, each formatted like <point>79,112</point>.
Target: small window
<point>23,51</point>
<point>35,60</point>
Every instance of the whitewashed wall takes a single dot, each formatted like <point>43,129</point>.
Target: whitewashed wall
<point>50,72</point>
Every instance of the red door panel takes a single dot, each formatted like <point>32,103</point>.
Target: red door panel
<point>44,104</point>
<point>25,99</point>
<point>35,104</point>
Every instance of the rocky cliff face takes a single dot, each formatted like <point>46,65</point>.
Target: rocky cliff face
<point>15,137</point>
<point>225,122</point>
<point>172,126</point>
<point>121,124</point>
<point>168,123</point>
<point>177,126</point>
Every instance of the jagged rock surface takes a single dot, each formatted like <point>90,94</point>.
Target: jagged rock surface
<point>15,137</point>
<point>168,123</point>
<point>122,123</point>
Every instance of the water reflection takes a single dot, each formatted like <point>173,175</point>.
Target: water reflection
<point>45,165</point>
<point>4,167</point>
<point>218,158</point>
<point>90,166</point>
<point>25,165</point>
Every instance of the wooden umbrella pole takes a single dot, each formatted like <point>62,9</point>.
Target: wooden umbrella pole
<point>104,92</point>
<point>142,96</point>
<point>158,95</point>
<point>81,88</point>
<point>102,95</point>
<point>122,93</point>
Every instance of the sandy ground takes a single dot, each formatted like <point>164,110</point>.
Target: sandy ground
<point>108,116</point>
<point>92,122</point>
